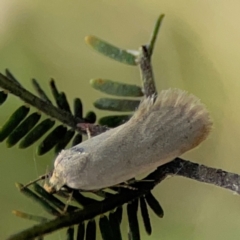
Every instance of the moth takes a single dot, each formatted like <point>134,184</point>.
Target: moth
<point>161,129</point>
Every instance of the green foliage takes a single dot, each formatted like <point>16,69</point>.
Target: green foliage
<point>116,88</point>
<point>81,231</point>
<point>91,230</point>
<point>154,205</point>
<point>105,228</point>
<point>51,140</point>
<point>41,201</point>
<point>115,225</point>
<point>22,129</point>
<point>36,133</point>
<point>114,120</point>
<point>3,97</point>
<point>145,216</point>
<point>70,233</point>
<point>13,122</point>
<point>118,54</point>
<point>28,130</point>
<point>116,104</point>
<point>134,232</point>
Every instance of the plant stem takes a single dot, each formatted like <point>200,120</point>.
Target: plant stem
<point>52,111</point>
<point>178,167</point>
<point>149,87</point>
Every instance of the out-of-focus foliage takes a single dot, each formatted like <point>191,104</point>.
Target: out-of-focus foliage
<point>198,50</point>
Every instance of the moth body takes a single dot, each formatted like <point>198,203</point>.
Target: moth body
<point>157,133</point>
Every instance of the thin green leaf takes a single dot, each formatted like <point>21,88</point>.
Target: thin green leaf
<point>120,105</point>
<point>23,128</point>
<point>105,228</point>
<point>82,200</point>
<point>63,102</point>
<point>10,76</point>
<point>101,193</point>
<point>51,140</point>
<point>64,141</point>
<point>43,203</point>
<point>3,97</point>
<point>91,230</point>
<point>54,90</point>
<point>78,108</point>
<point>118,213</point>
<point>40,91</point>
<point>13,121</point>
<point>53,200</point>
<point>115,226</point>
<point>145,216</point>
<point>114,121</point>
<point>28,216</point>
<point>111,51</point>
<point>90,117</point>
<point>36,133</point>
<point>154,204</point>
<point>77,139</point>
<point>134,231</point>
<point>81,231</point>
<point>60,98</point>
<point>70,233</point>
<point>116,88</point>
<point>155,34</point>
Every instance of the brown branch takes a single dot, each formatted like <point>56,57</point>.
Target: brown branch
<point>44,106</point>
<point>178,167</point>
<point>198,172</point>
<point>146,71</point>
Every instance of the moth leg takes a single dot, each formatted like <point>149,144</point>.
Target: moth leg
<point>125,185</point>
<point>128,183</point>
<point>42,177</point>
<point>68,201</point>
<point>85,127</point>
<point>94,129</point>
<point>88,133</point>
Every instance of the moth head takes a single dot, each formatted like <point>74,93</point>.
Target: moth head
<point>68,168</point>
<point>57,179</point>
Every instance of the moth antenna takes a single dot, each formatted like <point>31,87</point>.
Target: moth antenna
<point>42,177</point>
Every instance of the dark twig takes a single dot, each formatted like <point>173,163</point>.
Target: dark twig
<point>178,167</point>
<point>63,116</point>
<point>144,61</point>
<point>78,216</point>
<point>49,109</point>
<point>149,87</point>
<point>198,172</point>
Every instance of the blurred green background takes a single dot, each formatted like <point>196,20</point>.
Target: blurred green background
<point>198,50</point>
